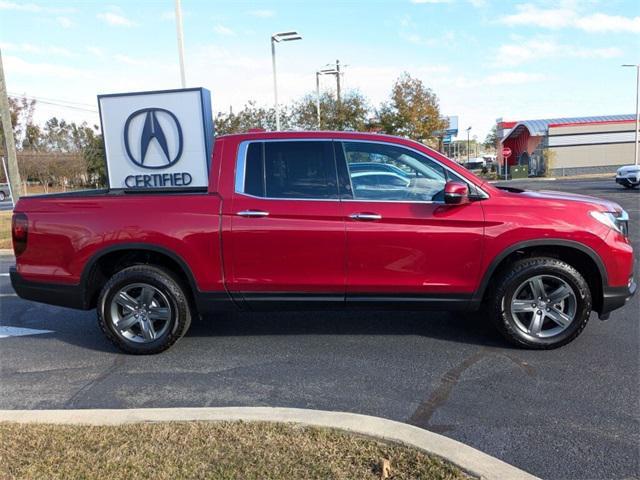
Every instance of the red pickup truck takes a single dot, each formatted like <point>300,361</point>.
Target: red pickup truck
<point>303,220</point>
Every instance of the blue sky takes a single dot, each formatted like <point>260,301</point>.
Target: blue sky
<point>484,59</point>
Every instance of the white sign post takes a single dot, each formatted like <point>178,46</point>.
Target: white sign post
<point>157,140</point>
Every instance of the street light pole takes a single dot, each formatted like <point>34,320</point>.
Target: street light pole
<point>468,144</point>
<point>318,97</point>
<point>338,82</point>
<point>277,38</point>
<point>180,42</point>
<point>636,149</point>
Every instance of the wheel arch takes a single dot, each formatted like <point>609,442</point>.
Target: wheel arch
<point>576,254</point>
<point>109,260</point>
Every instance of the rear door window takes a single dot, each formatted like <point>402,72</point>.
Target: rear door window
<point>291,169</point>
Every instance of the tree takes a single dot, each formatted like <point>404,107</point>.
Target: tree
<point>251,116</point>
<point>350,114</point>
<point>95,159</point>
<point>491,142</point>
<point>413,111</point>
<point>21,111</point>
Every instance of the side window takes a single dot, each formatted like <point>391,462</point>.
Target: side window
<point>302,169</point>
<point>254,173</point>
<point>387,172</point>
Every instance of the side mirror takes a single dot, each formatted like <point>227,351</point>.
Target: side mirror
<point>456,193</point>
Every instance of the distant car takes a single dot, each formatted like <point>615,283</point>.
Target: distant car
<point>372,185</point>
<point>475,163</point>
<point>629,176</point>
<point>4,192</point>
<point>376,167</point>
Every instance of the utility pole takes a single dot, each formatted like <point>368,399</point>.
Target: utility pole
<point>9,143</point>
<point>180,33</point>
<point>468,144</point>
<point>338,81</point>
<point>334,71</point>
<point>328,71</point>
<point>637,146</point>
<point>318,97</point>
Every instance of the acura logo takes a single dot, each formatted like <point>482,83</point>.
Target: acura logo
<point>149,124</point>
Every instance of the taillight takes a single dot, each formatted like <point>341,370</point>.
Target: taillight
<point>19,232</point>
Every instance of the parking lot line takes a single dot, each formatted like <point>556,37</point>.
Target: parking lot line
<point>6,332</point>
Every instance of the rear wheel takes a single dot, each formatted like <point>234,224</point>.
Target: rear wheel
<point>143,310</point>
<point>540,303</point>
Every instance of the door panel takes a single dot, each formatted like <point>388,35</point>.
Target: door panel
<point>293,243</point>
<point>423,248</point>
<point>401,238</point>
<point>298,247</point>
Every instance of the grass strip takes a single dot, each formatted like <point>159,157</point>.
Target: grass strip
<point>215,450</point>
<point>5,229</point>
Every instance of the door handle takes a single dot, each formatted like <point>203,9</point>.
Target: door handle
<point>365,216</point>
<point>253,213</point>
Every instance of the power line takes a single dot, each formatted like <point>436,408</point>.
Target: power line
<point>57,102</point>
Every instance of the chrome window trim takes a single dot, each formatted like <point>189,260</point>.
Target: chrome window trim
<point>241,166</point>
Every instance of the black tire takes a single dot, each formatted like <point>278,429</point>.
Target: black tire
<point>2,197</point>
<point>160,279</point>
<point>508,281</point>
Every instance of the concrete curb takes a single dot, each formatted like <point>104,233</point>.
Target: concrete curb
<point>6,251</point>
<point>469,459</point>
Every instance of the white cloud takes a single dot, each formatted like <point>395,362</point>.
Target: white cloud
<point>96,51</point>
<point>262,13</point>
<point>37,49</point>
<point>168,15</point>
<point>409,31</point>
<point>64,22</point>
<point>498,78</point>
<point>222,30</point>
<point>512,78</point>
<point>16,65</point>
<point>529,14</point>
<point>116,19</point>
<point>60,51</point>
<point>33,8</point>
<point>599,22</point>
<point>520,52</point>
<point>127,60</point>
<point>563,17</point>
<point>431,1</point>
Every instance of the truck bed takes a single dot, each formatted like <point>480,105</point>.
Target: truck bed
<point>68,231</point>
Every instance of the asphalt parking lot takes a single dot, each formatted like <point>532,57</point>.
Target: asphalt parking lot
<point>567,413</point>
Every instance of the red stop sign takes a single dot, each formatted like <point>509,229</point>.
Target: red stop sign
<point>506,152</point>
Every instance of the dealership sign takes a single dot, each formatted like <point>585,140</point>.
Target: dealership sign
<point>157,140</point>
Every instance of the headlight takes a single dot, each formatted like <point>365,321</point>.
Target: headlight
<point>614,220</point>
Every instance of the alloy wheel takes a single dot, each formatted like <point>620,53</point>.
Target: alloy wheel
<point>544,306</point>
<point>140,313</point>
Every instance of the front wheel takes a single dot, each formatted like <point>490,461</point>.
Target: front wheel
<point>143,310</point>
<point>540,303</point>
